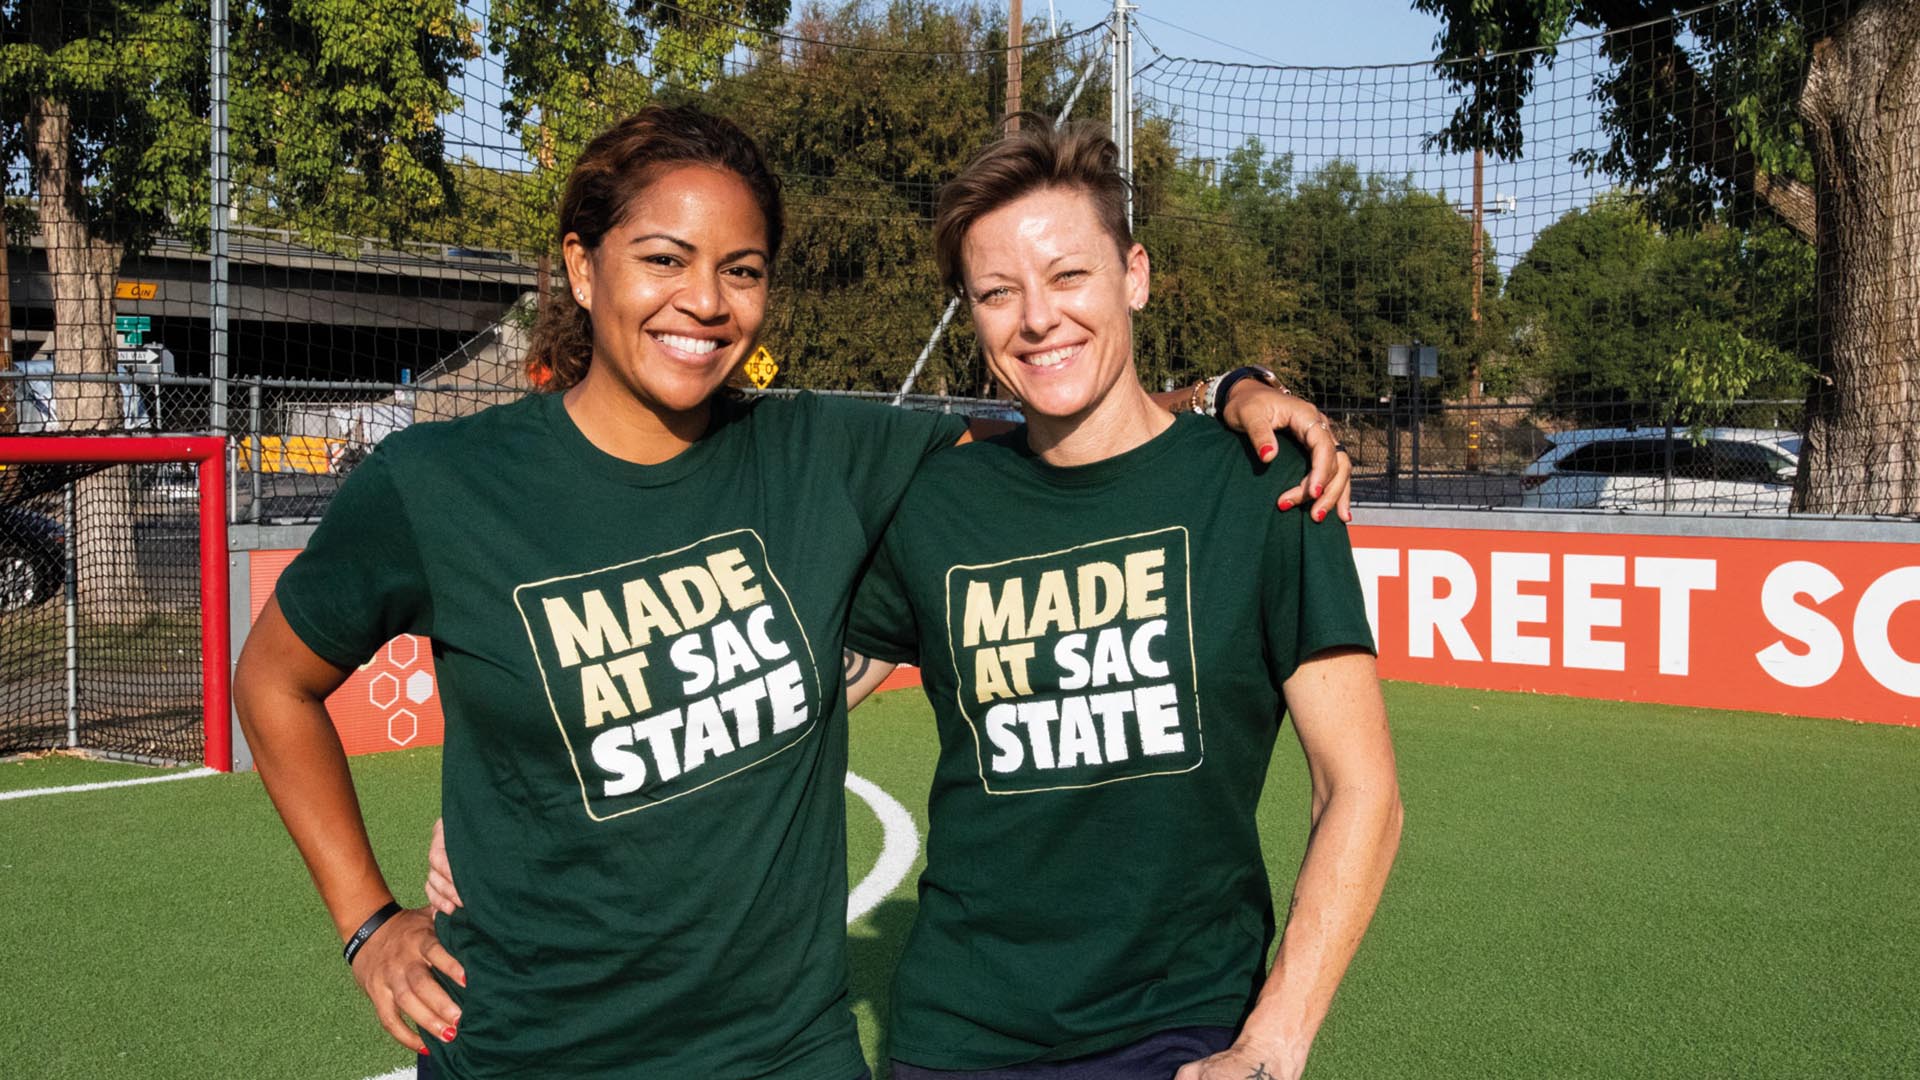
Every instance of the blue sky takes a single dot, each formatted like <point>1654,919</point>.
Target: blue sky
<point>1375,118</point>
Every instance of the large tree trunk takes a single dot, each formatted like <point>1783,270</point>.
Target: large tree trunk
<point>1861,106</point>
<point>83,266</point>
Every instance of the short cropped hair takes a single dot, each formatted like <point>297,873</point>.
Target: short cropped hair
<point>1035,157</point>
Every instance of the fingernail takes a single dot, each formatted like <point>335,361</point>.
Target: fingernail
<point>1316,491</point>
<point>447,1035</point>
<point>1286,504</point>
<point>421,1050</point>
<point>1266,453</point>
<point>463,980</point>
<point>1319,515</point>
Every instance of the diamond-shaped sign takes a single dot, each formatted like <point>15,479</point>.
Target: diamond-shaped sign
<point>761,368</point>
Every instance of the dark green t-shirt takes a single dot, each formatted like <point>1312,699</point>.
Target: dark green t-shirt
<point>645,722</point>
<point>1104,648</point>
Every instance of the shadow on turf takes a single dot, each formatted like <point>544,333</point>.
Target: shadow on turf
<point>872,952</point>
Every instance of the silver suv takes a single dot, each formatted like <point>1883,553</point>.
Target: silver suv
<point>1725,470</point>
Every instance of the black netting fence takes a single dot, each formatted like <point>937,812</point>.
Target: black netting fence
<point>1512,262</point>
<point>100,611</point>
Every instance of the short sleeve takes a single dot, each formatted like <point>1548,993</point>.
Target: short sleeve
<point>882,624</point>
<point>1311,592</point>
<point>360,582</point>
<point>885,446</point>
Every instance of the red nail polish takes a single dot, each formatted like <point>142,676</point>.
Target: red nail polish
<point>421,1050</point>
<point>1316,491</point>
<point>447,1035</point>
<point>1266,453</point>
<point>1319,515</point>
<point>1286,504</point>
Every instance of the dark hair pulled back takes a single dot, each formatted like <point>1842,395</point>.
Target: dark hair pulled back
<point>611,173</point>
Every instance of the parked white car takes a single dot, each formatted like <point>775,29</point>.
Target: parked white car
<point>1722,470</point>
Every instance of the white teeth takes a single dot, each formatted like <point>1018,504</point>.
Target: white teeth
<point>1052,358</point>
<point>697,346</point>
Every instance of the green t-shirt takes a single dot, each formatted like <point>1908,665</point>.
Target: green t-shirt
<point>645,720</point>
<point>1104,648</point>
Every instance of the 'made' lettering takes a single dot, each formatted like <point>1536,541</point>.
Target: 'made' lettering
<point>1002,614</point>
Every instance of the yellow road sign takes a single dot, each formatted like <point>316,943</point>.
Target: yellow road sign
<point>761,368</point>
<point>135,290</point>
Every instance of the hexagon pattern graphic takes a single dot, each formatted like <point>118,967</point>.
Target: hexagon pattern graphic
<point>402,727</point>
<point>383,690</point>
<point>419,687</point>
<point>386,687</point>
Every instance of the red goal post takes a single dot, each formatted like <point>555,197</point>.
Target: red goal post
<point>208,455</point>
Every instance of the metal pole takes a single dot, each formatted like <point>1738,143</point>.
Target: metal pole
<point>933,339</point>
<point>217,418</point>
<point>257,448</point>
<point>71,594</point>
<point>1120,60</point>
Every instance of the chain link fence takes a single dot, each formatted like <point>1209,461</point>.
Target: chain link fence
<point>1518,277</point>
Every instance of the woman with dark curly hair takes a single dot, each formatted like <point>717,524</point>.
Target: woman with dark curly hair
<point>636,587</point>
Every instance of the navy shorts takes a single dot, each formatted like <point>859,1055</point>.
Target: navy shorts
<point>1156,1057</point>
<point>430,1070</point>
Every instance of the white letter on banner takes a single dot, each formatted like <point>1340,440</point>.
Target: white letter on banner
<point>1581,611</point>
<point>1871,621</point>
<point>1779,600</point>
<point>1426,613</point>
<point>1372,565</point>
<point>1676,579</point>
<point>1511,607</point>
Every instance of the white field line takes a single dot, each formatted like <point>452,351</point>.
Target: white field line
<point>104,784</point>
<point>899,843</point>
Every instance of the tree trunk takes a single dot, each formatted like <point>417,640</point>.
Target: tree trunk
<point>1861,105</point>
<point>83,266</point>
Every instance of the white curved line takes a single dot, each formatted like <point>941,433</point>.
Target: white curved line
<point>899,843</point>
<point>28,793</point>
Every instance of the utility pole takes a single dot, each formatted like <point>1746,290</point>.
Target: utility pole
<point>1016,32</point>
<point>1479,276</point>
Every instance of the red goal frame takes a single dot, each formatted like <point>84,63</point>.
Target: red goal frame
<point>208,455</point>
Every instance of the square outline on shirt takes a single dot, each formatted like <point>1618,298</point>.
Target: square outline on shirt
<point>573,757</point>
<point>1186,548</point>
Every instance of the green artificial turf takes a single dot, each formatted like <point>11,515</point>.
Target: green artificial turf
<point>1584,889</point>
<point>62,770</point>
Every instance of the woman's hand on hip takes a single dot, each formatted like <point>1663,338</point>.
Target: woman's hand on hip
<point>441,895</point>
<point>395,968</point>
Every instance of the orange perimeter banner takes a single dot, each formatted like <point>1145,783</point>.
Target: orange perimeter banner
<point>1813,628</point>
<point>1804,627</point>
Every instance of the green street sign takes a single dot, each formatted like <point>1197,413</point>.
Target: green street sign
<point>126,324</point>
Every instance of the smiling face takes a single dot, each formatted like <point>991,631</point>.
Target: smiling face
<point>1053,300</point>
<point>677,291</point>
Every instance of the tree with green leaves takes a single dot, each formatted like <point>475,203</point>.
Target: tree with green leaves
<point>1631,322</point>
<point>1806,111</point>
<point>337,101</point>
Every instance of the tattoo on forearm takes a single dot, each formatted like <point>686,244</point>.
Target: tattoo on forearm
<point>1260,1073</point>
<point>854,665</point>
